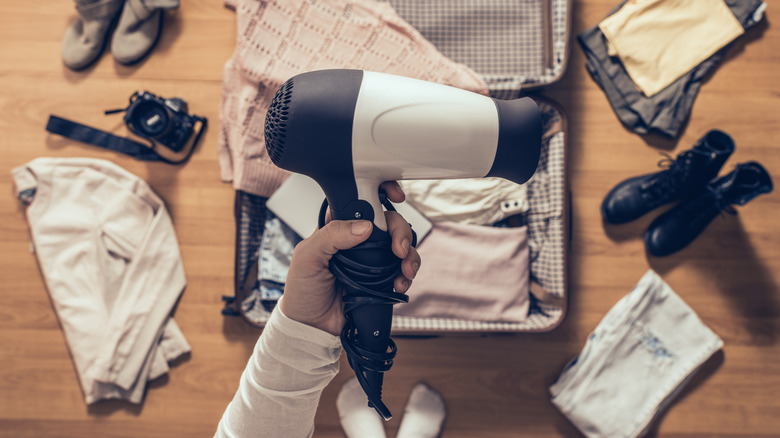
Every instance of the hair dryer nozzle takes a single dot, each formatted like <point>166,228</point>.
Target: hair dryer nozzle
<point>519,139</point>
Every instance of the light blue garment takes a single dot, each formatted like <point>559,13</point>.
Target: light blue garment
<point>276,250</point>
<point>275,254</point>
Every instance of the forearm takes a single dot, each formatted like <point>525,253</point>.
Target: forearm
<point>281,385</point>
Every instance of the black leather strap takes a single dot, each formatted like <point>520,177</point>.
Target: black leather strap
<point>96,137</point>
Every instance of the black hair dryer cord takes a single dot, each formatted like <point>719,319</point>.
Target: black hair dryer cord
<point>366,273</point>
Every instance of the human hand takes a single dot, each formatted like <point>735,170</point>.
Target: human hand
<point>310,295</point>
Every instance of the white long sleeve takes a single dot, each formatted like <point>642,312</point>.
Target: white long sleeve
<point>281,385</point>
<point>110,258</point>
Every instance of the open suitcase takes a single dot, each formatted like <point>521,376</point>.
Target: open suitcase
<point>513,60</point>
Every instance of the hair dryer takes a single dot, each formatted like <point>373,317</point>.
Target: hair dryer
<point>351,130</point>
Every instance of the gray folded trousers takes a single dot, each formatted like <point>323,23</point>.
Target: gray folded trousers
<point>667,111</point>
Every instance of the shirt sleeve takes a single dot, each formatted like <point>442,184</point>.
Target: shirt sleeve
<point>281,386</point>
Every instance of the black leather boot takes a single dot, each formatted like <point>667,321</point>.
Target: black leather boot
<point>687,174</point>
<point>675,229</point>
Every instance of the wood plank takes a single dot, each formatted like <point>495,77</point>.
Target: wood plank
<point>493,386</point>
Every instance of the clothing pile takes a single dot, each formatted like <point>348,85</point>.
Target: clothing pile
<point>651,57</point>
<point>375,36</point>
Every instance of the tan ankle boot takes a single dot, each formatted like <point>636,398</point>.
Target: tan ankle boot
<point>139,29</point>
<point>86,37</point>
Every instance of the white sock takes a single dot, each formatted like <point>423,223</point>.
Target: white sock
<point>424,414</point>
<point>357,419</point>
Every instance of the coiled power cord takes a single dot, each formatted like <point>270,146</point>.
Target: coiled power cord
<point>368,299</point>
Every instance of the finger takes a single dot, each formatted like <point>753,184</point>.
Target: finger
<point>394,191</point>
<point>401,284</point>
<point>411,264</point>
<point>409,268</point>
<point>400,233</point>
<point>333,237</point>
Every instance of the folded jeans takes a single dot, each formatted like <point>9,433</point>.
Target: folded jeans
<point>635,361</point>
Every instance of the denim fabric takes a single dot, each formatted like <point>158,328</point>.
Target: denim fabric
<point>638,357</point>
<point>275,252</point>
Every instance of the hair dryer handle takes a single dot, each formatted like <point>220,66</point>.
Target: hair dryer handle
<point>367,272</point>
<point>363,202</point>
<point>372,268</point>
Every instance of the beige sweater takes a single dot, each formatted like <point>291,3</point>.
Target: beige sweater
<point>280,388</point>
<point>278,39</point>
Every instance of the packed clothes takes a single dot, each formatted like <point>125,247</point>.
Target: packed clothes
<point>471,272</point>
<point>279,39</point>
<point>479,201</point>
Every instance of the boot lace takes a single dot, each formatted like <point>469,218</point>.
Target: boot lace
<point>670,181</point>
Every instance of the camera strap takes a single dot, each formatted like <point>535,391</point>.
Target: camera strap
<point>96,137</point>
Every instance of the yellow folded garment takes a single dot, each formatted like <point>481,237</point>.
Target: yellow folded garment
<point>660,40</point>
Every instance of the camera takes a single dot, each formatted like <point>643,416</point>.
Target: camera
<point>164,121</point>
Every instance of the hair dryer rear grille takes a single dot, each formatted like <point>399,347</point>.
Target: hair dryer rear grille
<point>276,122</point>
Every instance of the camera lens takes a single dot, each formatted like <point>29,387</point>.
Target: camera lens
<point>151,118</point>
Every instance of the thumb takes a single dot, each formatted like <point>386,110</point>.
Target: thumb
<point>338,235</point>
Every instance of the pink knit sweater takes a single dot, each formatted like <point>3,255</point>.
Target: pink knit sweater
<point>278,39</point>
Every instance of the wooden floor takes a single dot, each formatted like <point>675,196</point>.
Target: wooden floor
<point>494,386</point>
